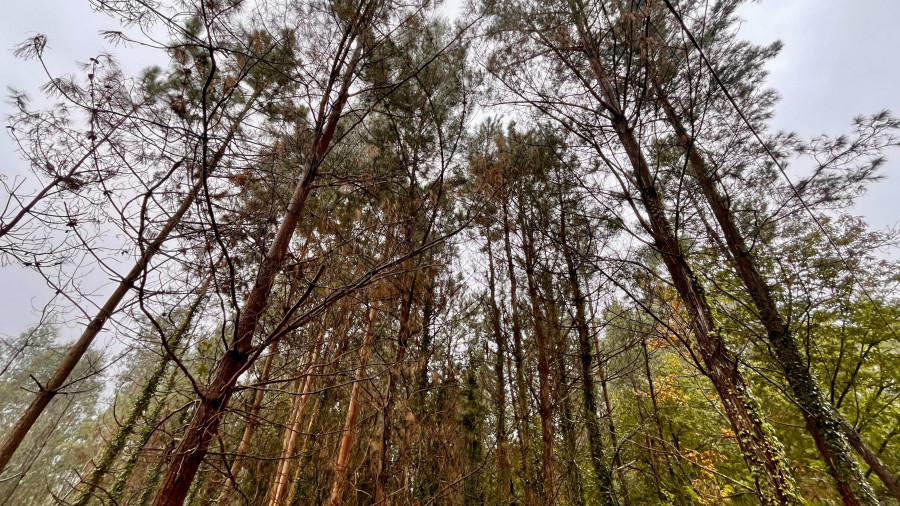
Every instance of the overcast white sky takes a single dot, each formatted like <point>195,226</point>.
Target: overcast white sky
<point>840,60</point>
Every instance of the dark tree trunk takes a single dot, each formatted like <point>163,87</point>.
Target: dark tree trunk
<point>592,421</point>
<point>762,453</point>
<point>545,405</point>
<point>504,485</point>
<point>205,424</point>
<point>823,422</point>
<point>524,428</point>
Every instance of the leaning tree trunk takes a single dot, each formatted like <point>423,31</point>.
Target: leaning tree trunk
<point>115,446</point>
<point>205,424</point>
<point>57,381</point>
<point>823,421</point>
<point>761,451</point>
<point>121,481</point>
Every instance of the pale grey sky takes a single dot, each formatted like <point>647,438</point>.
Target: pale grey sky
<point>839,60</point>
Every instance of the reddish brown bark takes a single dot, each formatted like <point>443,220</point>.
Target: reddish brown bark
<point>403,335</point>
<point>292,429</point>
<point>244,445</point>
<point>545,406</point>
<point>205,423</point>
<point>522,414</point>
<point>340,466</point>
<point>823,422</point>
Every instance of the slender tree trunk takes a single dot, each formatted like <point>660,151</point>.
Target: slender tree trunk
<point>545,406</point>
<point>595,442</point>
<point>425,345</point>
<point>340,466</point>
<point>205,425</point>
<point>394,372</point>
<point>613,436</point>
<point>243,447</point>
<point>524,426</point>
<point>504,485</point>
<point>291,497</point>
<point>822,420</point>
<point>562,399</point>
<point>122,477</point>
<point>293,431</point>
<point>658,425</point>
<point>57,381</point>
<point>117,443</point>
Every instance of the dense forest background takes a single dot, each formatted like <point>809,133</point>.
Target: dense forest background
<point>549,252</point>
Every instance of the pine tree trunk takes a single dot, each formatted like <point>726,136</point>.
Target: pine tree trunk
<point>504,485</point>
<point>613,437</point>
<point>394,372</point>
<point>293,431</point>
<point>561,398</point>
<point>205,425</point>
<point>48,391</point>
<point>524,426</point>
<point>822,420</point>
<point>244,445</point>
<point>762,453</point>
<point>291,497</point>
<point>545,407</point>
<point>121,481</point>
<point>592,421</point>
<point>117,443</point>
<point>340,466</point>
